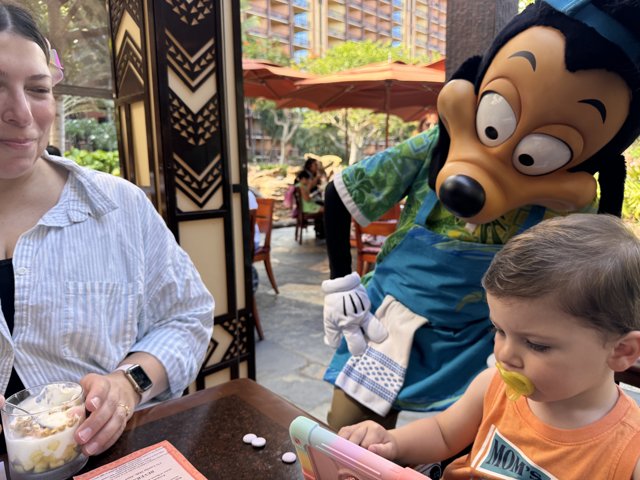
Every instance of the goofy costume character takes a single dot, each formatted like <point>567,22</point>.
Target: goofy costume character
<point>522,132</point>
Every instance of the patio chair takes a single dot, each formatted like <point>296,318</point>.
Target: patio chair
<point>367,249</point>
<point>303,220</point>
<point>264,221</point>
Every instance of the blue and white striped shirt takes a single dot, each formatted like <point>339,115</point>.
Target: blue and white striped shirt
<point>101,276</point>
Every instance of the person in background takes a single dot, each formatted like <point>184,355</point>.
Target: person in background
<point>564,298</point>
<point>253,209</point>
<point>316,175</point>
<point>308,203</point>
<point>93,286</point>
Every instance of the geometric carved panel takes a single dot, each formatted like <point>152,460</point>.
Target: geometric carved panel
<point>130,71</point>
<point>194,107</point>
<point>118,7</point>
<point>198,186</point>
<point>191,12</point>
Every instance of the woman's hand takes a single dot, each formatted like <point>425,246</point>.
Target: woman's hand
<point>110,399</point>
<point>373,437</point>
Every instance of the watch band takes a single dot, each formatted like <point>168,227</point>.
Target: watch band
<point>144,395</point>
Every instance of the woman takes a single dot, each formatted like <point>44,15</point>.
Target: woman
<point>93,286</point>
<point>308,204</point>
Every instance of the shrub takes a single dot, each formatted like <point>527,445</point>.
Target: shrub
<point>631,204</point>
<point>89,134</point>
<point>97,160</point>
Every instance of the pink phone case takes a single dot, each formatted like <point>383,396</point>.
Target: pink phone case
<point>324,455</point>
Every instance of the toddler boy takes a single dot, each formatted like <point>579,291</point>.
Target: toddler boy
<point>564,299</point>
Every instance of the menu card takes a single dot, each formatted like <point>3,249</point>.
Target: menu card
<point>161,461</point>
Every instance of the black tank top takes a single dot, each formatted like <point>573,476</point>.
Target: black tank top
<point>7,297</point>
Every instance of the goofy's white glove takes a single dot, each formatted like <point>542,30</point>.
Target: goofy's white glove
<point>346,312</point>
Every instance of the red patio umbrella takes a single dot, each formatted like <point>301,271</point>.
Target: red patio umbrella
<point>265,79</point>
<point>383,87</point>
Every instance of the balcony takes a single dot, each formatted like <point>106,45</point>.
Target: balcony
<point>301,42</point>
<point>279,16</point>
<point>257,32</point>
<point>353,20</point>
<point>370,26</point>
<point>281,37</point>
<point>398,3</point>
<point>301,4</point>
<point>253,8</point>
<point>336,33</point>
<point>369,8</point>
<point>397,16</point>
<point>336,14</point>
<point>301,20</point>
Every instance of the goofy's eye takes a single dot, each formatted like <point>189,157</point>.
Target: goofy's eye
<point>537,154</point>
<point>495,119</point>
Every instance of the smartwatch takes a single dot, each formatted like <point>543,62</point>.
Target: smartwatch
<point>139,380</point>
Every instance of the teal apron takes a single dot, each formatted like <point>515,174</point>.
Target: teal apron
<point>438,278</point>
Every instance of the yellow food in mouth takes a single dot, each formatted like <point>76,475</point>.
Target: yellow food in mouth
<point>517,384</point>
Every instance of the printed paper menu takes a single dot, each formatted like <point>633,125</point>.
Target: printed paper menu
<point>161,461</point>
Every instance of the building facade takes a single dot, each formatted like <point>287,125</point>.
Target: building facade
<point>311,27</point>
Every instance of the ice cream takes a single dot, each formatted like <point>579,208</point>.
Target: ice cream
<point>42,439</point>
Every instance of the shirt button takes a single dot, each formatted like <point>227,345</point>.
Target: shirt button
<point>22,271</point>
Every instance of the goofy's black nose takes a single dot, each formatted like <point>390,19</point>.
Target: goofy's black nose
<point>462,195</point>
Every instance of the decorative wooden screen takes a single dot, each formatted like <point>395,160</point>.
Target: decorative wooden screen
<point>178,85</point>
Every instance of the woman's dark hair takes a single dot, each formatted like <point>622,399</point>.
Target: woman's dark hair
<point>303,174</point>
<point>17,20</point>
<point>309,162</point>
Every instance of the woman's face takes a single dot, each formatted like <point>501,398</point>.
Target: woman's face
<point>27,107</point>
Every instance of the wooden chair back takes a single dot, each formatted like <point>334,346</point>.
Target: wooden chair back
<point>264,221</point>
<point>384,226</point>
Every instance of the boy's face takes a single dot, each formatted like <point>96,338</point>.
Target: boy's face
<point>565,360</point>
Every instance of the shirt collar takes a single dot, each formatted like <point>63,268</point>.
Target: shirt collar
<point>82,197</point>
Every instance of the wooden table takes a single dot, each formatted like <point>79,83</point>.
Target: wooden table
<point>207,428</point>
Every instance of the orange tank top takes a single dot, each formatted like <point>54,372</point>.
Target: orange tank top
<point>512,443</point>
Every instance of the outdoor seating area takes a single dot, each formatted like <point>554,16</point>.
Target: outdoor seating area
<point>319,240</point>
<point>369,239</point>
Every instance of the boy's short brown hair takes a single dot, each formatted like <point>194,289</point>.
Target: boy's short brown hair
<point>590,265</point>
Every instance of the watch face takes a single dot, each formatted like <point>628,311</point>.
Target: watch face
<point>140,377</point>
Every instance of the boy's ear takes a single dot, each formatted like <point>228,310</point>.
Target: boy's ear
<point>625,352</point>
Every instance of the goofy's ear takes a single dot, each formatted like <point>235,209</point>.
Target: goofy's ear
<point>625,352</point>
<point>467,71</point>
<point>611,180</point>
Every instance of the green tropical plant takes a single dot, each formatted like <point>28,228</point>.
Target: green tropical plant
<point>631,204</point>
<point>101,160</point>
<point>89,134</point>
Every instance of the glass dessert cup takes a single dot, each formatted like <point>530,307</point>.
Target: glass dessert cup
<point>39,424</point>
